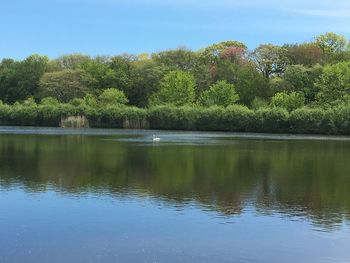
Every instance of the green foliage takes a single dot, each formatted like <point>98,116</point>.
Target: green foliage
<point>71,61</point>
<point>331,43</point>
<point>145,76</point>
<point>90,100</point>
<point>270,59</point>
<point>334,83</point>
<point>278,84</point>
<point>272,120</point>
<point>306,54</point>
<point>300,87</point>
<point>113,97</point>
<point>259,103</point>
<point>305,120</point>
<point>250,84</point>
<point>176,88</point>
<point>101,72</point>
<point>303,79</point>
<point>221,94</point>
<point>213,53</point>
<point>173,117</point>
<point>288,101</point>
<point>49,101</point>
<point>178,59</point>
<point>65,85</point>
<point>20,79</point>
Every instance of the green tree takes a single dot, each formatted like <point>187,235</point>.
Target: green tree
<point>113,96</point>
<point>331,43</point>
<point>177,59</point>
<point>306,54</point>
<point>100,70</point>
<point>90,100</point>
<point>66,85</point>
<point>71,61</point>
<point>145,76</point>
<point>270,59</point>
<point>250,84</point>
<point>213,53</point>
<point>221,94</point>
<point>20,79</point>
<point>288,101</point>
<point>177,88</point>
<point>50,101</point>
<point>302,79</point>
<point>334,83</point>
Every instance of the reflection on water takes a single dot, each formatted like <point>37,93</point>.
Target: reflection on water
<point>209,184</point>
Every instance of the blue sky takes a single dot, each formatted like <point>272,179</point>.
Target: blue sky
<point>108,27</point>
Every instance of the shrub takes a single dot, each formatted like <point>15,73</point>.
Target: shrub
<point>307,120</point>
<point>111,97</point>
<point>171,117</point>
<point>288,101</point>
<point>272,120</point>
<point>220,94</point>
<point>176,88</point>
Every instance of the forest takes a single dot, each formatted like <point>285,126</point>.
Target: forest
<point>293,88</point>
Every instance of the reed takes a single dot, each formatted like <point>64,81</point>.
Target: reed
<point>74,122</point>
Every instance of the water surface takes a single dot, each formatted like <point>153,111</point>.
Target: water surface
<point>114,196</point>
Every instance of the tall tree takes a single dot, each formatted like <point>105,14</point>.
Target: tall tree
<point>177,59</point>
<point>270,59</point>
<point>66,85</point>
<point>306,54</point>
<point>334,83</point>
<point>221,94</point>
<point>177,88</point>
<point>20,79</point>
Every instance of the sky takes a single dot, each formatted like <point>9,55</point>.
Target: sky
<point>110,27</point>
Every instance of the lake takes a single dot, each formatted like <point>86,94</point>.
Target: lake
<point>115,196</point>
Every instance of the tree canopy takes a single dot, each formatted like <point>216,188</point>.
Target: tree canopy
<point>222,74</point>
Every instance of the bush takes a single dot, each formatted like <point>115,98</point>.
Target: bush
<point>341,118</point>
<point>174,118</point>
<point>233,118</point>
<point>314,121</point>
<point>272,120</point>
<point>111,97</point>
<point>288,101</point>
<point>220,94</point>
<point>176,88</point>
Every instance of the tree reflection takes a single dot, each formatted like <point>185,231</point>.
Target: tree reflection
<point>298,178</point>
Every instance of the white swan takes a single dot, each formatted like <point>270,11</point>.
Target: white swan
<point>155,138</point>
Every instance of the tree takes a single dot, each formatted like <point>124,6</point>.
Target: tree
<point>20,79</point>
<point>331,43</point>
<point>220,61</point>
<point>288,101</point>
<point>221,94</point>
<point>100,70</point>
<point>145,76</point>
<point>71,61</point>
<point>270,59</point>
<point>66,84</point>
<point>302,79</point>
<point>177,88</point>
<point>306,54</point>
<point>178,59</point>
<point>250,84</point>
<point>113,96</point>
<point>213,53</point>
<point>334,83</point>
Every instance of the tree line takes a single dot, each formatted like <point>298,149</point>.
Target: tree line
<point>310,75</point>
